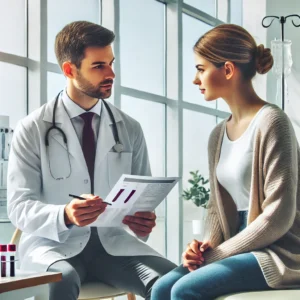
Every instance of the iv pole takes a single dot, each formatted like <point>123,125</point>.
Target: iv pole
<point>282,21</point>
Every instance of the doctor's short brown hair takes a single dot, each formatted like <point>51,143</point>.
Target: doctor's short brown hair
<point>229,42</point>
<point>74,38</point>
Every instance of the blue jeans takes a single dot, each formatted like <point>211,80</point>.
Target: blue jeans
<point>234,274</point>
<point>243,215</point>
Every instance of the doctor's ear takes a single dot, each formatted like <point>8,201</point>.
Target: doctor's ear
<point>68,69</point>
<point>229,68</point>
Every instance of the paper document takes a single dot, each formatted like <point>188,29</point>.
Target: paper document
<point>132,194</point>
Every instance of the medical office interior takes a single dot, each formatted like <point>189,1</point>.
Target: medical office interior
<point>154,69</point>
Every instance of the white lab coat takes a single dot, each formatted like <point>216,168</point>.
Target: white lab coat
<point>36,201</point>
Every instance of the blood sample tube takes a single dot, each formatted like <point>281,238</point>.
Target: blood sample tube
<point>11,248</point>
<point>3,258</point>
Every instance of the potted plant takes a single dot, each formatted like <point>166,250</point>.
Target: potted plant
<point>198,193</point>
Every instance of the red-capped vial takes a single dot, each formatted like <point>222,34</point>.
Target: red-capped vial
<point>3,255</point>
<point>11,249</point>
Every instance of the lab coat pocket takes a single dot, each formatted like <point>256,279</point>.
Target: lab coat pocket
<point>118,164</point>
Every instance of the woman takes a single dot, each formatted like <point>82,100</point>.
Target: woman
<point>253,241</point>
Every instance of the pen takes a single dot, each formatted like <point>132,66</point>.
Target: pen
<point>81,198</point>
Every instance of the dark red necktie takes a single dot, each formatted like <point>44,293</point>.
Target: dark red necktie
<point>88,145</point>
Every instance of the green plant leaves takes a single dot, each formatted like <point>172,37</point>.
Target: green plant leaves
<point>197,192</point>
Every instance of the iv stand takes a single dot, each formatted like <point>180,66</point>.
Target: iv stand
<point>282,21</point>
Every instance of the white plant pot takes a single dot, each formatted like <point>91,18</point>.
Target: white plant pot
<point>197,226</point>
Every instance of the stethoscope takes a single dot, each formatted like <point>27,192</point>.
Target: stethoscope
<point>118,147</point>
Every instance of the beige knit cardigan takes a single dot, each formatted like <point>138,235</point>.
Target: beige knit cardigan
<point>273,226</point>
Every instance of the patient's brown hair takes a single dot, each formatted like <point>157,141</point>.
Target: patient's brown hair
<point>229,42</point>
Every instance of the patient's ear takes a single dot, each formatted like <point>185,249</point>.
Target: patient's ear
<point>230,69</point>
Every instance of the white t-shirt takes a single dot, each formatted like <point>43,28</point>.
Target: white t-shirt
<point>234,167</point>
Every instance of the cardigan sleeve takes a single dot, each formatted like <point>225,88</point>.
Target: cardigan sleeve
<point>277,149</point>
<point>212,229</point>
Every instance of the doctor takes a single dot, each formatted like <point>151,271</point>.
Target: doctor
<point>91,144</point>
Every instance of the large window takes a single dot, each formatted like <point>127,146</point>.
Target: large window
<point>142,83</point>
<point>153,127</point>
<point>196,131</point>
<point>193,29</point>
<point>13,37</point>
<point>236,12</point>
<point>55,83</point>
<point>208,7</point>
<point>59,14</point>
<point>13,62</point>
<point>13,92</point>
<point>142,47</point>
<point>154,132</point>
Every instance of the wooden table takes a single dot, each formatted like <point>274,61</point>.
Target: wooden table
<point>27,284</point>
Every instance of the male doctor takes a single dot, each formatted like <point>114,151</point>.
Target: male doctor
<point>44,168</point>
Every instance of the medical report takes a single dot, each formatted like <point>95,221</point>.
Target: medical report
<point>132,194</point>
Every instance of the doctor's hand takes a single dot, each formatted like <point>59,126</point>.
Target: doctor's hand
<point>141,223</point>
<point>193,255</point>
<point>83,212</point>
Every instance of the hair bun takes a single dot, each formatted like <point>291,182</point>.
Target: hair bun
<point>264,59</point>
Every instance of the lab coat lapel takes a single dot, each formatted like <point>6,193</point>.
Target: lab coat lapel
<point>105,139</point>
<point>64,123</point>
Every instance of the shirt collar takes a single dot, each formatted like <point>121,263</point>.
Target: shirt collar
<point>74,110</point>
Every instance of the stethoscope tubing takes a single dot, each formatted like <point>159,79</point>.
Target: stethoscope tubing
<point>111,115</point>
<point>118,147</point>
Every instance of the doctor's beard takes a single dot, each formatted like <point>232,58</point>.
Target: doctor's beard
<point>92,91</point>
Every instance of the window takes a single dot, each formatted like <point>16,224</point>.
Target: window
<point>196,130</point>
<point>193,29</point>
<point>151,116</point>
<point>208,6</point>
<point>142,46</point>
<point>142,78</point>
<point>13,92</point>
<point>222,10</point>
<point>60,14</point>
<point>56,83</point>
<point>236,12</point>
<point>13,27</point>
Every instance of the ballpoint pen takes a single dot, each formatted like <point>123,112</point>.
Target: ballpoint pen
<point>81,198</point>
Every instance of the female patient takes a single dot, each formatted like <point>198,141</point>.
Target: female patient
<point>253,241</point>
